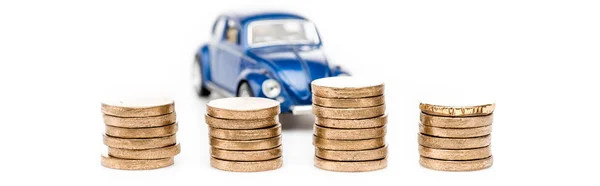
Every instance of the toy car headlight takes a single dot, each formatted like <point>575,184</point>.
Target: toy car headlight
<point>271,88</point>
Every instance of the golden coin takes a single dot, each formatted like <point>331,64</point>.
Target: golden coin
<point>245,134</point>
<point>352,123</point>
<point>456,122</point>
<point>241,123</point>
<point>456,133</point>
<point>260,144</point>
<point>152,121</point>
<point>346,87</point>
<point>246,155</point>
<point>461,165</point>
<point>243,108</point>
<point>144,154</point>
<point>142,143</point>
<point>350,166</point>
<point>131,164</point>
<point>139,107</point>
<point>476,110</point>
<point>352,155</point>
<point>246,166</point>
<point>349,102</point>
<point>150,132</point>
<point>349,113</point>
<point>454,143</point>
<point>465,154</point>
<point>348,144</point>
<point>349,134</point>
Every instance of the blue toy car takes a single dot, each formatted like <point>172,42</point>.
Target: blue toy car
<point>268,54</point>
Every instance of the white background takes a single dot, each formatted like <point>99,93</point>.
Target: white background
<point>537,59</point>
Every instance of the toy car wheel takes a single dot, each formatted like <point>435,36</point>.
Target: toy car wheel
<point>244,90</point>
<point>197,80</point>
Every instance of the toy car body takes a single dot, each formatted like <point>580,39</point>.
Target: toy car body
<point>269,54</point>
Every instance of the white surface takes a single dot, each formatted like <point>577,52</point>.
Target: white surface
<point>138,102</point>
<point>538,59</point>
<point>243,103</point>
<point>347,82</point>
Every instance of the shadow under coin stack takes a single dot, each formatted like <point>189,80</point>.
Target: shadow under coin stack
<point>350,127</point>
<point>245,134</point>
<point>455,138</point>
<point>140,134</point>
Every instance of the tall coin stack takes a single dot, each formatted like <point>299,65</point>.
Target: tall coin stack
<point>455,138</point>
<point>350,127</point>
<point>140,134</point>
<point>245,134</point>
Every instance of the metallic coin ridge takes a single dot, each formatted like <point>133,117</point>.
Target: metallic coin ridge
<point>155,153</point>
<point>454,143</point>
<point>225,109</point>
<point>246,155</point>
<point>352,155</point>
<point>142,143</point>
<point>352,123</point>
<point>349,134</point>
<point>142,122</point>
<point>439,110</point>
<point>137,112</point>
<point>323,88</point>
<point>227,114</point>
<point>348,113</point>
<point>241,123</point>
<point>149,132</point>
<point>132,164</point>
<point>348,144</point>
<point>246,166</point>
<point>355,166</point>
<point>464,154</point>
<point>261,144</point>
<point>245,134</point>
<point>456,122</point>
<point>349,102</point>
<point>455,133</point>
<point>462,165</point>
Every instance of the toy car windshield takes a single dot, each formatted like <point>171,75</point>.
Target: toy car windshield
<point>281,32</point>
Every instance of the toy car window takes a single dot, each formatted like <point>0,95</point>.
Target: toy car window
<point>232,33</point>
<point>219,28</point>
<point>214,27</point>
<point>277,32</point>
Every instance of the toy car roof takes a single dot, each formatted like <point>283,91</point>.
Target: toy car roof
<point>246,17</point>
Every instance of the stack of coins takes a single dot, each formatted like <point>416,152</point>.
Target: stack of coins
<point>245,134</point>
<point>455,138</point>
<point>140,134</point>
<point>350,127</point>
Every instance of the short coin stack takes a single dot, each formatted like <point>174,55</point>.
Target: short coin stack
<point>245,134</point>
<point>140,134</point>
<point>349,132</point>
<point>455,138</point>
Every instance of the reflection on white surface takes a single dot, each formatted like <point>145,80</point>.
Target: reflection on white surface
<point>296,122</point>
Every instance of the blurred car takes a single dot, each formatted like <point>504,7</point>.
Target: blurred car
<point>266,54</point>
